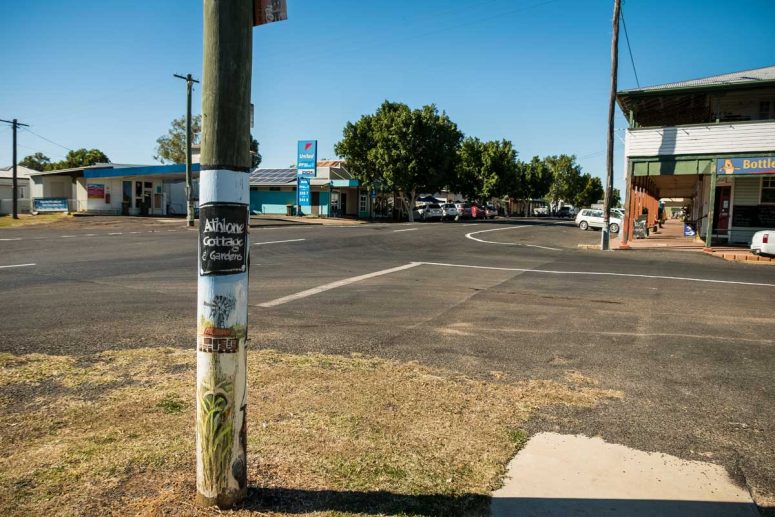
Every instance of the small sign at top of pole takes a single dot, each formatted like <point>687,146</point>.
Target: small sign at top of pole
<point>268,11</point>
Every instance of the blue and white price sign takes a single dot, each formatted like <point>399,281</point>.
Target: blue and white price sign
<point>307,158</point>
<point>303,196</point>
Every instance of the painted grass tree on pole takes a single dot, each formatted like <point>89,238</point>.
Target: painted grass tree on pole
<point>221,462</point>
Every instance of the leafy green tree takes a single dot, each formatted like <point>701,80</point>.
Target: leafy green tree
<point>566,178</point>
<point>403,150</point>
<point>37,162</point>
<point>172,146</point>
<point>484,169</point>
<point>532,181</point>
<point>591,192</point>
<point>80,158</point>
<point>255,156</point>
<point>616,198</point>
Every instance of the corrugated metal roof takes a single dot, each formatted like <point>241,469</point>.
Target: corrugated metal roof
<point>756,75</point>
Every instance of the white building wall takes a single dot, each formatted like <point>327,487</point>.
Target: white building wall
<point>700,139</point>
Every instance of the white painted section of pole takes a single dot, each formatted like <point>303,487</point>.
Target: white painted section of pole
<point>221,340</point>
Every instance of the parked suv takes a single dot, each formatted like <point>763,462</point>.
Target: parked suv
<point>591,218</point>
<point>449,211</point>
<point>432,211</point>
<point>463,210</point>
<point>566,211</point>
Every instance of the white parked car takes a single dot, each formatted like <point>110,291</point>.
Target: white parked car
<point>490,211</point>
<point>763,242</point>
<point>448,211</point>
<point>431,211</point>
<point>591,218</point>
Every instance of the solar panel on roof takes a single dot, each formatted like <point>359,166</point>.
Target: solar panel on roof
<point>273,176</point>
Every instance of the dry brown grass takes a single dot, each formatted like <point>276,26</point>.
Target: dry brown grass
<point>328,435</point>
<point>26,219</point>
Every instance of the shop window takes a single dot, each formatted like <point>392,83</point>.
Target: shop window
<point>768,190</point>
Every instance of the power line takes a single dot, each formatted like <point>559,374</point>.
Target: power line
<point>627,38</point>
<point>47,139</point>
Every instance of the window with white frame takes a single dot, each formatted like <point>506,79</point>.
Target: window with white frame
<point>768,190</point>
<point>362,206</point>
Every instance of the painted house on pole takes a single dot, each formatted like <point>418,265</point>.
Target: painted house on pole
<point>710,141</point>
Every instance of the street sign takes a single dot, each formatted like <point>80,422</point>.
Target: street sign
<point>303,196</point>
<point>269,11</point>
<point>307,158</point>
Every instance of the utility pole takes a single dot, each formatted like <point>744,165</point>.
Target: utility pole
<point>609,181</point>
<point>189,188</point>
<point>222,291</point>
<point>15,188</point>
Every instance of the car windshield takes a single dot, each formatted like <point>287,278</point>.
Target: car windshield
<point>434,206</point>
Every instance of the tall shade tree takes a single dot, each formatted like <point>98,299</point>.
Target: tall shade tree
<point>484,169</point>
<point>172,146</point>
<point>591,192</point>
<point>37,162</point>
<point>403,150</point>
<point>566,178</point>
<point>532,181</point>
<point>616,198</point>
<point>255,156</point>
<point>80,158</point>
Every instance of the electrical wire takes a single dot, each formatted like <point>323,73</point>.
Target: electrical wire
<point>629,48</point>
<point>47,139</point>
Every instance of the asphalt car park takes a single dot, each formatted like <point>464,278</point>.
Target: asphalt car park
<point>514,296</point>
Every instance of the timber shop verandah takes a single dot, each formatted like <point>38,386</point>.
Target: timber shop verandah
<point>709,142</point>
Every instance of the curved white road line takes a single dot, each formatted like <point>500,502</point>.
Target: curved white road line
<point>471,236</point>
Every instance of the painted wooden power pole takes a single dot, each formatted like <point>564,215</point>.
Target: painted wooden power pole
<point>189,140</point>
<point>224,198</point>
<point>605,238</point>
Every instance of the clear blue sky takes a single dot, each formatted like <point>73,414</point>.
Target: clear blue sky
<point>99,73</point>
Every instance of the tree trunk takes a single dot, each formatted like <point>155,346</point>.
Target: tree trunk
<point>409,205</point>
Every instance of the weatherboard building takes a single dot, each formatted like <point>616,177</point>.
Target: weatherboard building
<point>710,142</point>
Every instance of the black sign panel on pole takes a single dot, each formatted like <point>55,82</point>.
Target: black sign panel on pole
<point>223,238</point>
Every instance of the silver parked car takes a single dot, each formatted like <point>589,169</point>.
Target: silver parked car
<point>431,211</point>
<point>591,218</point>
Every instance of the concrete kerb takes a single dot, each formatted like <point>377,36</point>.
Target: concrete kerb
<point>557,474</point>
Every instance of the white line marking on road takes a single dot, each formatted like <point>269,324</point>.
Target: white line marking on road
<point>405,230</point>
<point>16,265</point>
<point>599,273</point>
<point>13,239</point>
<point>469,224</point>
<point>171,230</point>
<point>116,233</point>
<point>134,232</point>
<point>67,236</point>
<point>277,242</point>
<point>334,285</point>
<point>90,235</point>
<point>471,236</point>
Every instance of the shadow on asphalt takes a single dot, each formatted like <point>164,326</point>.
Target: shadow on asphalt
<point>297,501</point>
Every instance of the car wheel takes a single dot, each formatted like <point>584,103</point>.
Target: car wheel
<point>755,252</point>
<point>613,227</point>
<point>583,225</point>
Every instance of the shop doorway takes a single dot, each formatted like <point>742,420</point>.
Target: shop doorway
<point>721,211</point>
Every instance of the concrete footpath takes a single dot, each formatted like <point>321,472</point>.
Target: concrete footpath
<point>559,474</point>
